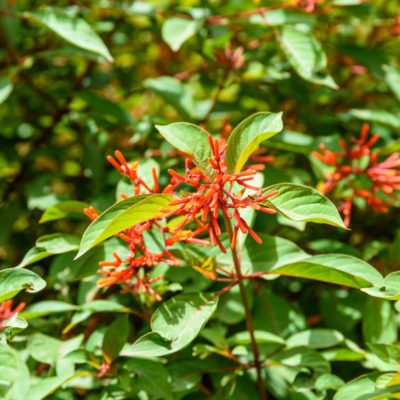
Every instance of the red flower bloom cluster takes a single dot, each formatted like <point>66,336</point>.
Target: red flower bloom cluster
<point>382,175</point>
<point>222,191</point>
<point>6,311</point>
<point>123,270</point>
<point>215,194</point>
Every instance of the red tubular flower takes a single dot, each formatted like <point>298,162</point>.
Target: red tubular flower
<point>6,311</point>
<point>216,193</point>
<point>383,175</point>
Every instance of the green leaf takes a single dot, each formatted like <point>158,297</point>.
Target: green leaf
<point>328,381</point>
<point>33,255</point>
<point>392,78</point>
<point>246,137</point>
<point>13,326</point>
<point>174,325</point>
<point>58,243</point>
<point>191,140</point>
<point>6,88</point>
<point>175,31</point>
<point>151,377</point>
<point>107,109</point>
<point>318,338</point>
<point>390,289</point>
<point>72,29</point>
<point>46,307</point>
<point>335,268</point>
<point>364,388</point>
<point>114,338</point>
<point>376,116</point>
<point>379,322</point>
<point>44,348</point>
<point>123,215</point>
<point>260,336</point>
<point>44,387</point>
<point>303,357</point>
<point>14,375</point>
<point>303,204</point>
<point>173,92</point>
<point>63,210</point>
<point>306,55</point>
<point>13,280</point>
<point>92,307</point>
<point>273,252</point>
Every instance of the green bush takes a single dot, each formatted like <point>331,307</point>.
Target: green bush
<point>239,162</point>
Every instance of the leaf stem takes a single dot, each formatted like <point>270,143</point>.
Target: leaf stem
<point>249,319</point>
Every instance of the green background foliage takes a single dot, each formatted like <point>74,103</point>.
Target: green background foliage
<point>80,79</point>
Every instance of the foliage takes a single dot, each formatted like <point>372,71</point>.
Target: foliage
<point>243,242</point>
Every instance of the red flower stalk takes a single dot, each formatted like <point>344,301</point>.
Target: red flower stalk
<point>215,194</point>
<point>6,311</point>
<point>230,58</point>
<point>131,171</point>
<point>383,175</point>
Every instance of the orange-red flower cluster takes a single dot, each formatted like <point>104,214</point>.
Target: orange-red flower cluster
<point>6,311</point>
<point>383,176</point>
<point>220,192</point>
<point>216,193</point>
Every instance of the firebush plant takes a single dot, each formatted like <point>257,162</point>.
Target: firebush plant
<point>199,200</point>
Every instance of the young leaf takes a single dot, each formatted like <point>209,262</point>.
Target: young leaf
<point>62,210</point>
<point>333,268</point>
<point>72,29</point>
<point>246,137</point>
<point>303,204</point>
<point>114,338</point>
<point>175,31</point>
<point>6,88</point>
<point>123,215</point>
<point>13,280</point>
<point>306,55</point>
<point>190,139</point>
<point>175,324</point>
